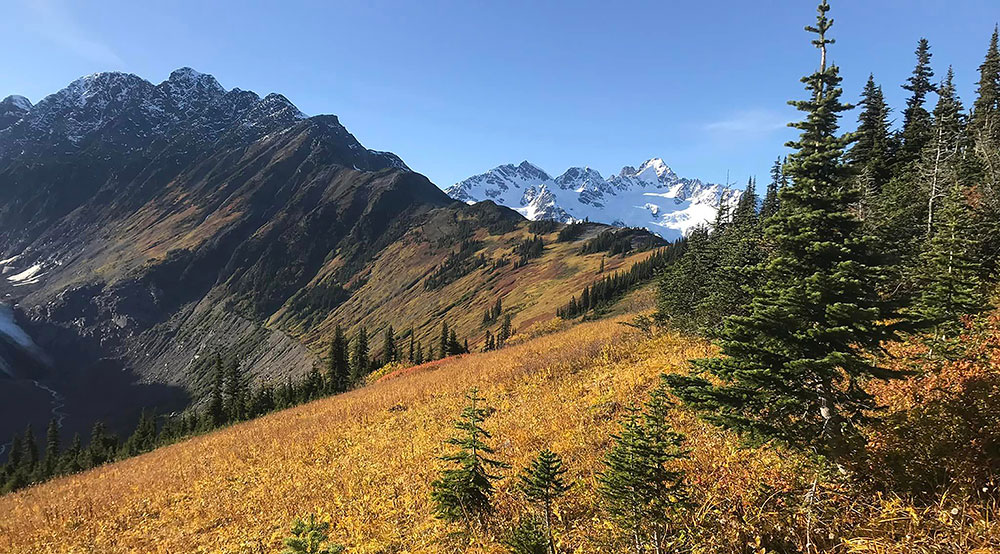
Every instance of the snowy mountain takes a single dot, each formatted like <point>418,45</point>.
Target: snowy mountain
<point>652,196</point>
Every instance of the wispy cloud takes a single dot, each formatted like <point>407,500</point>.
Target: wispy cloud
<point>53,21</point>
<point>755,123</point>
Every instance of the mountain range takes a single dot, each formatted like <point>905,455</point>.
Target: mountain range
<point>652,196</point>
<point>145,228</point>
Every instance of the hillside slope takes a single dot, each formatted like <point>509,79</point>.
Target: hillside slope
<point>364,461</point>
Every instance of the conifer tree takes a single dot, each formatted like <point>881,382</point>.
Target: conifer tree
<point>985,124</point>
<point>71,458</point>
<point>790,369</point>
<point>29,461</point>
<point>940,161</point>
<point>310,536</point>
<point>443,343</point>
<point>916,118</point>
<point>389,345</point>
<point>235,398</point>
<point>542,482</point>
<point>870,157</point>
<point>419,356</point>
<point>216,405</point>
<point>769,206</point>
<point>682,285</point>
<point>411,353</point>
<point>339,368</point>
<point>640,485</point>
<point>528,537</point>
<point>505,332</point>
<point>359,356</point>
<point>52,447</point>
<point>951,284</point>
<point>464,490</point>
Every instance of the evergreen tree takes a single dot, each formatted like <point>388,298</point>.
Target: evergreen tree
<point>71,458</point>
<point>916,119</point>
<point>389,345</point>
<point>52,447</point>
<point>443,345</point>
<point>505,332</point>
<point>359,356</point>
<point>770,204</point>
<point>941,158</point>
<point>339,368</point>
<point>528,537</point>
<point>951,282</point>
<point>542,482</point>
<point>870,157</point>
<point>16,452</point>
<point>790,369</point>
<point>682,285</point>
<point>29,460</point>
<point>216,406</point>
<point>640,487</point>
<point>410,355</point>
<point>463,491</point>
<point>985,124</point>
<point>235,399</point>
<point>419,357</point>
<point>310,536</point>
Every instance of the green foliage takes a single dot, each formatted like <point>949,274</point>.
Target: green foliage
<point>916,119</point>
<point>464,490</point>
<point>542,483</point>
<point>542,226</point>
<point>571,232</point>
<point>310,536</point>
<point>870,159</point>
<point>528,537</point>
<point>640,486</point>
<point>457,265</point>
<point>360,361</point>
<point>338,365</point>
<point>790,369</point>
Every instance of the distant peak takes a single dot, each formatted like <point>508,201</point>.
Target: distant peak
<point>657,165</point>
<point>186,79</point>
<point>16,101</point>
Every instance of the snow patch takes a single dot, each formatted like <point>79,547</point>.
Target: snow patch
<point>28,276</point>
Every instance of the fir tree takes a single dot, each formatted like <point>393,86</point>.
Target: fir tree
<point>339,367</point>
<point>443,343</point>
<point>389,352</point>
<point>542,482</point>
<point>528,537</point>
<point>216,407</point>
<point>29,459</point>
<point>359,356</point>
<point>463,491</point>
<point>951,282</point>
<point>235,398</point>
<point>310,536</point>
<point>682,286</point>
<point>419,357</point>
<point>870,157</point>
<point>940,160</point>
<point>52,447</point>
<point>640,487</point>
<point>985,124</point>
<point>790,369</point>
<point>410,355</point>
<point>770,204</point>
<point>916,119</point>
<point>505,332</point>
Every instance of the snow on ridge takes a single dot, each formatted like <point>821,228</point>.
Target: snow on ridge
<point>652,196</point>
<point>28,276</point>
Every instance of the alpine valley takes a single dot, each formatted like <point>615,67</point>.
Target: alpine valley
<point>145,228</point>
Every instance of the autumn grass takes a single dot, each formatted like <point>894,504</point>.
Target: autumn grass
<point>364,461</point>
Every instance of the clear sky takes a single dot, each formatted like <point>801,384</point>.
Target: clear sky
<point>456,88</point>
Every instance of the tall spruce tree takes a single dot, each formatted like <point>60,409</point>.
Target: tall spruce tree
<point>984,131</point>
<point>542,482</point>
<point>682,285</point>
<point>389,352</point>
<point>360,360</point>
<point>443,341</point>
<point>52,447</point>
<point>339,367</point>
<point>235,397</point>
<point>769,206</point>
<point>916,118</point>
<point>940,162</point>
<point>464,490</point>
<point>215,414</point>
<point>791,369</point>
<point>951,284</point>
<point>871,155</point>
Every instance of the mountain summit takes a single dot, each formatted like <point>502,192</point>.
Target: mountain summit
<point>652,196</point>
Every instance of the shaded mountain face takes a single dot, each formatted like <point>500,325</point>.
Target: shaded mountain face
<point>143,227</point>
<point>652,196</point>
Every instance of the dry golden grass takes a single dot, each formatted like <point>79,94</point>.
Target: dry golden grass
<point>365,459</point>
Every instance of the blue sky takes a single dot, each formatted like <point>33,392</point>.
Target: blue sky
<point>456,88</point>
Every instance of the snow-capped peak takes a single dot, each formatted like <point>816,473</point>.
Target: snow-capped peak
<point>652,196</point>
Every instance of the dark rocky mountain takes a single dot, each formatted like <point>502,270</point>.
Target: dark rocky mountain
<point>144,227</point>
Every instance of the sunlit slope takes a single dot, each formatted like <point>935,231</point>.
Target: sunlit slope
<point>366,457</point>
